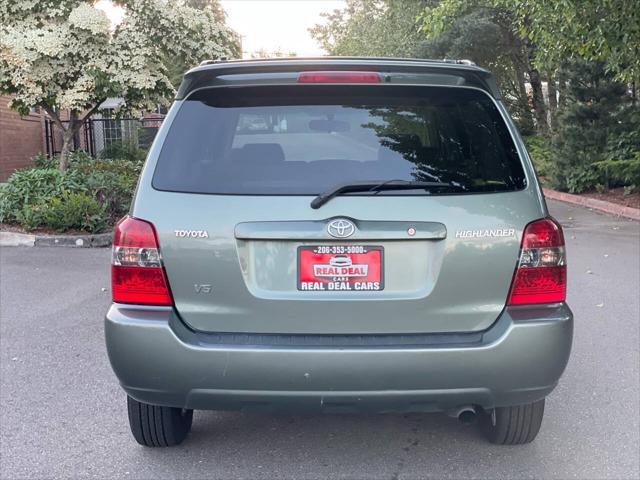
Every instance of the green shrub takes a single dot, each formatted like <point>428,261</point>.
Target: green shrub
<point>581,178</point>
<point>75,211</point>
<point>112,182</point>
<point>113,190</point>
<point>31,216</point>
<point>35,186</point>
<point>42,161</point>
<point>598,134</point>
<point>117,166</point>
<point>78,157</point>
<point>124,151</point>
<point>541,153</point>
<point>7,205</point>
<point>44,197</point>
<point>621,164</point>
<point>70,210</point>
<point>620,172</point>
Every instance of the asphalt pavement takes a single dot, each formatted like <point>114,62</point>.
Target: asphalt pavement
<point>63,415</point>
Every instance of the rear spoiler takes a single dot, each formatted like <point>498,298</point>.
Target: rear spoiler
<point>286,71</point>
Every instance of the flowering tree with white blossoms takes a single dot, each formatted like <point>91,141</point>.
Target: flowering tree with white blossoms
<point>65,56</point>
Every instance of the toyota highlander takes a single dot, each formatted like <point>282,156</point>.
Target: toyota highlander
<point>338,235</point>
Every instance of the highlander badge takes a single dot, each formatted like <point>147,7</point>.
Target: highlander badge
<point>490,232</point>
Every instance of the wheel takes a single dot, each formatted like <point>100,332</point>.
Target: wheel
<point>154,426</point>
<point>513,425</point>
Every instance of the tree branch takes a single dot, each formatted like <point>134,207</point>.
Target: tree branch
<point>54,116</point>
<point>92,110</point>
<point>73,125</point>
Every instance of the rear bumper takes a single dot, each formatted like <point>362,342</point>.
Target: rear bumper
<point>518,360</point>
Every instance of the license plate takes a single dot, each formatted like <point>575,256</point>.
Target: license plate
<point>357,268</point>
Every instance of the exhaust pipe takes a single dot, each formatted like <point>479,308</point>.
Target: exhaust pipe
<point>466,414</point>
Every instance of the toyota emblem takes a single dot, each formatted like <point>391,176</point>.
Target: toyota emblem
<point>341,228</point>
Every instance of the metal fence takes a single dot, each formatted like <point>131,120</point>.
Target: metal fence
<point>96,134</point>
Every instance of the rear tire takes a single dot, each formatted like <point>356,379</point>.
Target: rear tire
<point>154,426</point>
<point>515,425</point>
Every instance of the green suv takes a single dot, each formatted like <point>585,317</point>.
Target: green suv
<point>338,234</point>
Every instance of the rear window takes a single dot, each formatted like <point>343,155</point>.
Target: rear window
<point>304,140</point>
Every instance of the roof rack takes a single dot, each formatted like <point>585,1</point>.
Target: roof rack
<point>460,62</point>
<point>211,62</point>
<point>331,57</point>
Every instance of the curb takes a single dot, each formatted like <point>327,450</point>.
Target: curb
<point>600,205</point>
<point>13,239</point>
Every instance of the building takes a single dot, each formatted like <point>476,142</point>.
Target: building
<point>21,138</point>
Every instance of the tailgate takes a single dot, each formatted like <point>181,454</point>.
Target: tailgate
<point>452,275</point>
<point>244,251</point>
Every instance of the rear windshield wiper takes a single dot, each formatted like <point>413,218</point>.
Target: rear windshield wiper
<point>377,186</point>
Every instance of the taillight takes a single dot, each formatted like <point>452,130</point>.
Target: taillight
<point>137,274</point>
<point>339,77</point>
<point>541,276</point>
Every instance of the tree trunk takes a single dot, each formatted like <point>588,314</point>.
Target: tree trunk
<point>527,119</point>
<point>537,99</point>
<point>76,135</point>
<point>562,89</point>
<point>553,101</point>
<point>519,59</point>
<point>67,138</point>
<point>75,122</point>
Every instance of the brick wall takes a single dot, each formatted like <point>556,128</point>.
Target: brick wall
<point>21,138</point>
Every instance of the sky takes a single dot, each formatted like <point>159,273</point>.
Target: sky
<point>266,24</point>
<point>278,24</point>
<point>114,13</point>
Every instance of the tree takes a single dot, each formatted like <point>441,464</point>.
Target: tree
<point>485,36</point>
<point>437,20</point>
<point>607,31</point>
<point>384,28</point>
<point>471,29</point>
<point>597,119</point>
<point>177,65</point>
<point>64,55</point>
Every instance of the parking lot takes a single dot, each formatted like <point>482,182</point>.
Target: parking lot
<point>63,415</point>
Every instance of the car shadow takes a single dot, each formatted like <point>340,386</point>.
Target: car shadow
<point>256,445</point>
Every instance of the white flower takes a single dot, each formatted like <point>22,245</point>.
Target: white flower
<point>64,53</point>
<point>87,17</point>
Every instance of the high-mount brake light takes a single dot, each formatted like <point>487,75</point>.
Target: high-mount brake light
<point>137,274</point>
<point>339,77</point>
<point>541,276</point>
